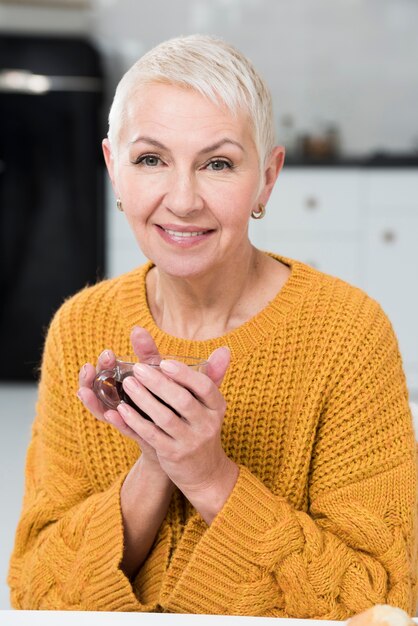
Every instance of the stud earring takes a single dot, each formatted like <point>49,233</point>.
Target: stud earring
<point>258,215</point>
<point>119,204</point>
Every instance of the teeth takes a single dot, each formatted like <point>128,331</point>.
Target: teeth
<point>178,233</point>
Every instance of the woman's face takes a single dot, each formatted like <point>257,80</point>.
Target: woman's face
<point>187,173</point>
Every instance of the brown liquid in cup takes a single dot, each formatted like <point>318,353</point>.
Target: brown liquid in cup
<point>117,384</point>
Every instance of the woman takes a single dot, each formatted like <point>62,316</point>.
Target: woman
<point>287,486</point>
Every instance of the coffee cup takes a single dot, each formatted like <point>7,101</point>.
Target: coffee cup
<point>108,383</point>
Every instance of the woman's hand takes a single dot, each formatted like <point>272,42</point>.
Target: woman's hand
<point>147,490</point>
<point>187,437</point>
<point>143,346</point>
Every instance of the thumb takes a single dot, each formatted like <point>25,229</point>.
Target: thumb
<point>143,344</point>
<point>218,363</point>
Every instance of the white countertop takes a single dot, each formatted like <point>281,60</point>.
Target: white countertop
<point>93,618</point>
<point>96,618</point>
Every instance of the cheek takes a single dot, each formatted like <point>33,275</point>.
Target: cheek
<point>139,201</point>
<point>235,208</point>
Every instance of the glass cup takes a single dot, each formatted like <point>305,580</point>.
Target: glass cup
<point>108,386</point>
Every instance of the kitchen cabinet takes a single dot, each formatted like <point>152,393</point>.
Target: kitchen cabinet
<point>315,215</point>
<point>317,201</point>
<point>360,224</point>
<point>391,261</point>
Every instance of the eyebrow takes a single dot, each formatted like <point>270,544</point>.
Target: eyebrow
<point>211,148</point>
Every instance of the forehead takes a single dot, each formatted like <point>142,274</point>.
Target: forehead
<point>167,110</point>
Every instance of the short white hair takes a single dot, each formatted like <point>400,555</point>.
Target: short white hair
<point>210,66</point>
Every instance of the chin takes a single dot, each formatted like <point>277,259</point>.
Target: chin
<point>186,270</point>
<point>183,266</point>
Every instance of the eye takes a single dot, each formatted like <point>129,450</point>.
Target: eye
<point>149,160</point>
<point>218,165</point>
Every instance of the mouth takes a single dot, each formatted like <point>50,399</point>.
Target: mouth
<point>179,233</point>
<point>184,236</point>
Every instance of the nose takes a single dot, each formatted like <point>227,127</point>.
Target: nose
<point>183,197</point>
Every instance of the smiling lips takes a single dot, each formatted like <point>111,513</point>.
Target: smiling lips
<point>184,236</point>
<point>177,233</point>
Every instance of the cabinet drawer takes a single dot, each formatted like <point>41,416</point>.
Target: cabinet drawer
<point>338,256</point>
<point>390,275</point>
<point>389,190</point>
<point>316,200</point>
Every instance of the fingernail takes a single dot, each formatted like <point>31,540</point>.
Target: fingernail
<point>84,371</point>
<point>130,383</point>
<point>123,409</point>
<point>106,355</point>
<point>107,416</point>
<point>169,366</point>
<point>141,370</point>
<point>80,395</point>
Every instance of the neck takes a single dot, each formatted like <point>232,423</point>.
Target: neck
<point>206,306</point>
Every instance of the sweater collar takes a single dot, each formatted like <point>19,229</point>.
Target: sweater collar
<point>242,340</point>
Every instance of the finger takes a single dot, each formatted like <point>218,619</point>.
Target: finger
<point>86,378</point>
<point>184,389</point>
<point>218,364</point>
<point>154,406</point>
<point>143,429</point>
<point>106,360</point>
<point>91,402</point>
<point>115,419</point>
<point>86,375</point>
<point>143,344</point>
<point>103,414</point>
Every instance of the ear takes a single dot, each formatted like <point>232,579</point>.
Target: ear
<point>110,163</point>
<point>272,170</point>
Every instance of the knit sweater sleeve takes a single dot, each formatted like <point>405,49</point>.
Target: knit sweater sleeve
<point>354,546</point>
<point>69,541</point>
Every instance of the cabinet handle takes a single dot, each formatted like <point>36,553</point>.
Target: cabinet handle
<point>24,81</point>
<point>389,236</point>
<point>311,203</point>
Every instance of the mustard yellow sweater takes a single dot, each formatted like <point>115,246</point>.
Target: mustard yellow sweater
<point>322,520</point>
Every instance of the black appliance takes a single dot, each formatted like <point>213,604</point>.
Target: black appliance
<point>51,188</point>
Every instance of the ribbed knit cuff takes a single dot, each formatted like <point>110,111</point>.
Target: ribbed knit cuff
<point>193,533</point>
<point>147,585</point>
<point>108,589</point>
<point>231,555</point>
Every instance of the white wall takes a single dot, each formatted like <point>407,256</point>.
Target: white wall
<point>351,62</point>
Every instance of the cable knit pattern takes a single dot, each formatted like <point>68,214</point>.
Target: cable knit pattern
<point>322,520</point>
